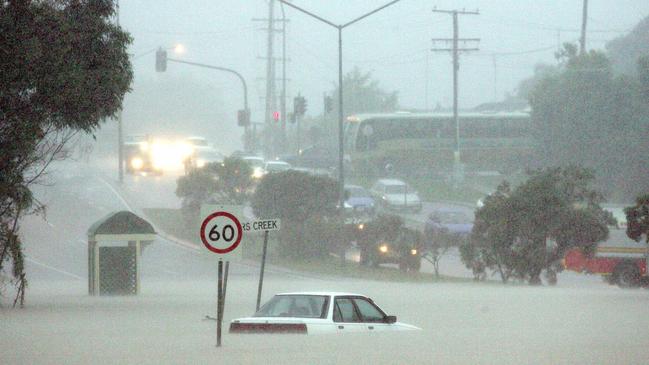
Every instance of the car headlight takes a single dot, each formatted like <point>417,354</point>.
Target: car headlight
<point>383,248</point>
<point>361,226</point>
<point>200,163</point>
<point>413,251</point>
<point>257,173</point>
<point>137,163</point>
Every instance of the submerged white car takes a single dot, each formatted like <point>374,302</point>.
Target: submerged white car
<point>318,313</point>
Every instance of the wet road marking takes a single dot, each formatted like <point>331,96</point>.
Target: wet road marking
<point>54,269</point>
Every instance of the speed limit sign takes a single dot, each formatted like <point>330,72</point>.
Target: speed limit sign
<point>221,232</point>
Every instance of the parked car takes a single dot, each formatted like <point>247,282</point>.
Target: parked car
<point>276,166</point>
<point>448,223</point>
<point>319,313</point>
<point>394,194</point>
<point>359,199</point>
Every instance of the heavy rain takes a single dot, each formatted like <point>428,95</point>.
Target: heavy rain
<point>324,182</point>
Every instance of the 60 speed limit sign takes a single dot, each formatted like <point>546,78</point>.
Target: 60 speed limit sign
<point>221,232</point>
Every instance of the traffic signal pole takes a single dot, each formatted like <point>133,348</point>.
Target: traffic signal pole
<point>340,27</point>
<point>162,68</point>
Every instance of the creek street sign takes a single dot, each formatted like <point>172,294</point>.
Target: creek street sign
<point>262,225</point>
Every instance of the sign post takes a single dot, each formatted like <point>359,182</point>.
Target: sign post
<point>264,225</point>
<point>261,270</point>
<point>221,232</point>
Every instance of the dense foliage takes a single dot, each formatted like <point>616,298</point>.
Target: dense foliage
<point>308,202</point>
<point>218,183</point>
<point>583,114</point>
<point>63,68</point>
<point>524,231</point>
<point>637,218</point>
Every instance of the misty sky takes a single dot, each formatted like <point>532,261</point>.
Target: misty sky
<point>393,44</point>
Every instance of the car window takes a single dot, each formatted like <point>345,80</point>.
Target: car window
<point>302,306</point>
<point>344,311</point>
<point>395,189</point>
<point>369,312</point>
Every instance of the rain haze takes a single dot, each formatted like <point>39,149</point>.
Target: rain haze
<point>200,221</point>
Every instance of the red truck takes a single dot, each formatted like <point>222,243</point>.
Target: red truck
<point>621,260</point>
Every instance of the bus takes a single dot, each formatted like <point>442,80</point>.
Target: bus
<point>418,143</point>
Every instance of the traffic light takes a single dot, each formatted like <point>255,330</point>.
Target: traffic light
<point>328,104</point>
<point>161,60</point>
<point>299,105</point>
<point>243,118</point>
<point>276,116</point>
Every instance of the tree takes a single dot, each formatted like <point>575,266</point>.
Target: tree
<point>298,198</point>
<point>637,218</point>
<point>64,68</point>
<point>223,183</point>
<point>361,94</point>
<point>522,232</point>
<point>583,114</point>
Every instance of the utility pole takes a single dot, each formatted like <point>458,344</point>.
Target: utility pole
<point>270,82</point>
<point>584,18</point>
<point>271,97</point>
<point>282,101</point>
<point>455,50</point>
<point>120,136</point>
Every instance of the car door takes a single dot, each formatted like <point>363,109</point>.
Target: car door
<point>346,317</point>
<point>373,318</point>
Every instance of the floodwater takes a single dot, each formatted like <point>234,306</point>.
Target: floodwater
<point>461,323</point>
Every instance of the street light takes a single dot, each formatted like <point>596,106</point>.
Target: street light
<point>340,27</point>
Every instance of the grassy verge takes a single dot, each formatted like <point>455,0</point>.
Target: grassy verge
<point>172,222</point>
<point>332,266</point>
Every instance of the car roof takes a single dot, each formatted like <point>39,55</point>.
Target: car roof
<point>277,163</point>
<point>354,187</point>
<point>327,293</point>
<point>391,182</point>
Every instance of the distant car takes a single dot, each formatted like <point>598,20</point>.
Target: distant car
<point>138,157</point>
<point>359,199</point>
<point>256,164</point>
<point>276,166</point>
<point>197,142</point>
<point>201,157</point>
<point>386,241</point>
<point>319,313</point>
<point>394,194</point>
<point>452,223</point>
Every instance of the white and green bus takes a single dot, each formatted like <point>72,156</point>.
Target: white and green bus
<point>424,143</point>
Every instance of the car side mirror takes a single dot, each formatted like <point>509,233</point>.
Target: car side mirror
<point>390,319</point>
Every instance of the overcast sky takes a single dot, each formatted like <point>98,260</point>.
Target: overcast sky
<point>393,44</point>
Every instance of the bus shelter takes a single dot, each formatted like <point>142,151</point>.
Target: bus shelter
<point>114,249</point>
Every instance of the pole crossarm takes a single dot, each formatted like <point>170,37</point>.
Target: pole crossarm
<point>225,69</point>
<point>468,12</point>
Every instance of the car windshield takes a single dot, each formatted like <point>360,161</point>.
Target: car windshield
<point>300,306</point>
<point>397,189</point>
<point>254,162</point>
<point>277,166</point>
<point>357,192</point>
